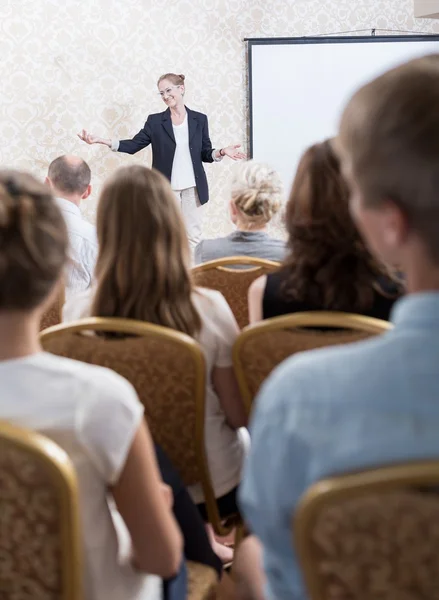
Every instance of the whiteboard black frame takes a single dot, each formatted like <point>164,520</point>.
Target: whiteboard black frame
<point>354,39</point>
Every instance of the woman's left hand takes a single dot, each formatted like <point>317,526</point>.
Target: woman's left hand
<point>233,153</point>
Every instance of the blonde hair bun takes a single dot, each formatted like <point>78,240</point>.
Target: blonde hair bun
<point>257,191</point>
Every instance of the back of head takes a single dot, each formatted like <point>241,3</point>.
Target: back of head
<point>389,143</point>
<point>328,264</point>
<point>142,270</point>
<point>257,192</point>
<point>33,242</point>
<point>69,175</point>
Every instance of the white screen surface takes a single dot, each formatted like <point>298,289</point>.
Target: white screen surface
<point>298,90</point>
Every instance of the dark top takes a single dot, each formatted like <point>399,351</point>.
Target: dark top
<point>273,304</point>
<point>241,243</point>
<point>159,133</point>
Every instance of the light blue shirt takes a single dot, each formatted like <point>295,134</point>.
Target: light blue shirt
<point>337,410</point>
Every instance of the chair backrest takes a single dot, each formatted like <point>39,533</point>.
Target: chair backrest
<point>371,535</point>
<point>232,282</point>
<point>40,547</point>
<point>53,314</point>
<point>262,346</point>
<point>167,370</point>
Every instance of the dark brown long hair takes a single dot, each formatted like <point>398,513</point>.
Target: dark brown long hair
<point>328,264</point>
<point>142,270</point>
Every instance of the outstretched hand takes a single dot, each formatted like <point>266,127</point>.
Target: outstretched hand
<point>233,153</point>
<point>88,138</point>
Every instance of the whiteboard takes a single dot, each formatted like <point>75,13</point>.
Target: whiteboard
<point>298,88</point>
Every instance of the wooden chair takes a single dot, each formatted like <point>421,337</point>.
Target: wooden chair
<point>53,314</point>
<point>262,346</point>
<point>233,283</point>
<point>372,535</point>
<point>40,547</point>
<point>167,370</point>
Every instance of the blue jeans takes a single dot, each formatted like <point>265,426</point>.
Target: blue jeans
<point>176,588</point>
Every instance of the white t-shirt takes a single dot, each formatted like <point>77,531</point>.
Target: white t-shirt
<point>93,414</point>
<point>225,447</point>
<point>182,175</point>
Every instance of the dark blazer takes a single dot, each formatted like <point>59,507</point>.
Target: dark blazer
<point>159,133</point>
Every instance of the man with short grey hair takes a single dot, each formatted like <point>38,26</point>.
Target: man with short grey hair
<point>69,178</point>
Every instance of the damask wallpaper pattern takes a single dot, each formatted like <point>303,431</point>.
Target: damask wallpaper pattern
<point>94,64</point>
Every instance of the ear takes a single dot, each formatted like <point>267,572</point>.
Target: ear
<point>395,225</point>
<point>48,182</point>
<point>87,193</point>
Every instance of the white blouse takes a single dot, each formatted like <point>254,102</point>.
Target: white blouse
<point>225,447</point>
<point>182,176</point>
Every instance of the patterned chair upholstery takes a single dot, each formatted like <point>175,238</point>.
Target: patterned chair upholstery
<point>40,548</point>
<point>232,282</point>
<point>372,535</point>
<point>167,370</point>
<point>202,582</point>
<point>262,346</point>
<point>53,314</point>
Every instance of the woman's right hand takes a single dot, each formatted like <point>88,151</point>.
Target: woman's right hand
<point>89,138</point>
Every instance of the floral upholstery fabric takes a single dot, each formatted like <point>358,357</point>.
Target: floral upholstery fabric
<point>381,546</point>
<point>263,351</point>
<point>30,524</point>
<point>53,314</point>
<point>233,285</point>
<point>164,376</point>
<point>202,582</point>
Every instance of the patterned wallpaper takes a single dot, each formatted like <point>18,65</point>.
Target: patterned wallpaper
<point>94,64</point>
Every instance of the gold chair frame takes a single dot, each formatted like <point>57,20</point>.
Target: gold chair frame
<point>312,319</point>
<point>224,265</point>
<point>57,462</point>
<point>141,328</point>
<point>344,487</point>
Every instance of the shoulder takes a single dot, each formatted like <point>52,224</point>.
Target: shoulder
<point>154,118</point>
<point>198,115</point>
<point>205,297</point>
<point>328,377</point>
<point>90,382</point>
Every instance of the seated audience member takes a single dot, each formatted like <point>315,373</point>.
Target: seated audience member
<point>91,412</point>
<point>257,194</point>
<point>328,266</point>
<point>69,177</point>
<point>375,402</point>
<point>143,272</point>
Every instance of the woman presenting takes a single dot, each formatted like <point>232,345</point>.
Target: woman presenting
<point>180,144</point>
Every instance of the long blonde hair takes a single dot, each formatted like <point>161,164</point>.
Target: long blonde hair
<point>142,271</point>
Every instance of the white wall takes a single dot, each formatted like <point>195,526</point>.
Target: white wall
<point>94,63</point>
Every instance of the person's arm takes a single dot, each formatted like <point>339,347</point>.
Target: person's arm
<point>112,429</point>
<point>226,387</point>
<point>248,570</point>
<point>138,142</point>
<point>255,297</point>
<point>145,506</point>
<point>223,376</point>
<point>276,472</point>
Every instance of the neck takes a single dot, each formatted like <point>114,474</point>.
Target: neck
<point>19,334</point>
<point>73,198</point>
<point>178,111</point>
<point>242,226</point>
<point>422,274</point>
